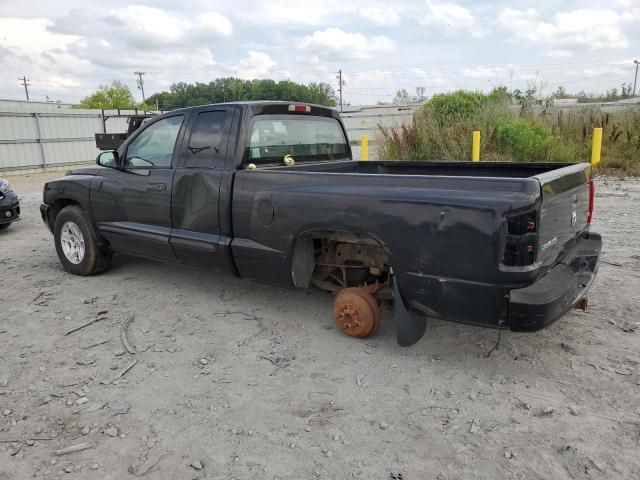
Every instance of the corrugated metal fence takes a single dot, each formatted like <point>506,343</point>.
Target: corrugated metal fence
<point>37,136</point>
<point>367,120</point>
<point>51,138</point>
<point>32,140</point>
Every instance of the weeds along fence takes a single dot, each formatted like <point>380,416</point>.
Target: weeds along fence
<point>442,130</point>
<point>36,135</point>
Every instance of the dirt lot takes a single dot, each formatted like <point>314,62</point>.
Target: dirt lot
<point>234,379</point>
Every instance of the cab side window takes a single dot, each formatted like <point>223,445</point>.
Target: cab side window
<point>206,139</point>
<point>153,148</point>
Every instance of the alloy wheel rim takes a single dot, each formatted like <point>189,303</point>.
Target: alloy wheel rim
<point>72,242</point>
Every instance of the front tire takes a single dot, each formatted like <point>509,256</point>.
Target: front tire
<point>77,244</point>
<point>4,225</point>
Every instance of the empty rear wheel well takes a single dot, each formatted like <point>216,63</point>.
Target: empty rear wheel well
<point>333,260</point>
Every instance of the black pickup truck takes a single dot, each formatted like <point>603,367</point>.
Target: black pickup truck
<point>269,191</point>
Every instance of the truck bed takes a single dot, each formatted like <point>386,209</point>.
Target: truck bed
<point>412,167</point>
<point>453,230</point>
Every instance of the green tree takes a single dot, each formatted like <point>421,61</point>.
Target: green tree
<point>230,89</point>
<point>561,93</point>
<point>612,95</point>
<point>421,95</point>
<point>114,95</point>
<point>402,96</point>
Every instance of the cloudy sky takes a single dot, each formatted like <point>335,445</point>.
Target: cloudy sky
<point>68,47</point>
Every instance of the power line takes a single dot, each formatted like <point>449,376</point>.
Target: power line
<point>609,74</point>
<point>389,75</point>
<point>503,68</point>
<point>413,72</point>
<point>367,91</point>
<point>25,82</point>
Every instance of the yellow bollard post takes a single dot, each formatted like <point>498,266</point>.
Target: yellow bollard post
<point>364,147</point>
<point>596,148</point>
<point>475,146</point>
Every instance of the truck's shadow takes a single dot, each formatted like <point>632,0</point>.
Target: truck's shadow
<point>443,341</point>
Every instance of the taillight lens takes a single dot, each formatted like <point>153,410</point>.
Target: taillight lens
<point>521,240</point>
<point>592,198</point>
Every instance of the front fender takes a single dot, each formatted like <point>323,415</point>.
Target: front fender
<point>74,188</point>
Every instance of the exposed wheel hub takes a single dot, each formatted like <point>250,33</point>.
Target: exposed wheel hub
<point>356,312</point>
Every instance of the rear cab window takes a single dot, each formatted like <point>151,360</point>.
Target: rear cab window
<point>304,138</point>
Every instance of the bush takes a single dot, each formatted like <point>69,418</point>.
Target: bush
<point>441,130</point>
<point>522,140</point>
<point>453,107</point>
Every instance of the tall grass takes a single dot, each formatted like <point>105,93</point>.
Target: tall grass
<point>441,130</point>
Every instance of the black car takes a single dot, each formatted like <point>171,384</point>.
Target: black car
<point>9,205</point>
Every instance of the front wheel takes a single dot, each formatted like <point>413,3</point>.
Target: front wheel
<point>77,245</point>
<point>4,225</point>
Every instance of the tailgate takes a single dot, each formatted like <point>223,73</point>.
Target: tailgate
<point>565,212</point>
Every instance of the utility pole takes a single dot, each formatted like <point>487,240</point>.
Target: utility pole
<point>140,83</point>
<point>25,82</point>
<point>635,80</point>
<point>339,77</point>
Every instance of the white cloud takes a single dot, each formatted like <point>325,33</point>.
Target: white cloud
<point>434,78</point>
<point>378,14</point>
<point>31,36</point>
<point>518,21</point>
<point>334,43</point>
<point>145,27</point>
<point>559,53</point>
<point>84,48</point>
<point>255,64</point>
<point>24,48</point>
<point>628,3</point>
<point>216,22</point>
<point>510,75</point>
<point>585,28</point>
<point>66,53</point>
<point>485,72</point>
<point>450,18</point>
<point>288,13</point>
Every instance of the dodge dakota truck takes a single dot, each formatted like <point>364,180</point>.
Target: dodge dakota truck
<point>269,191</point>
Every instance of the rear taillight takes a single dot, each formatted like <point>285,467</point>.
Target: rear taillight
<point>592,198</point>
<point>521,240</point>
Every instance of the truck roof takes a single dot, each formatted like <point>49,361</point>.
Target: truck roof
<point>255,107</point>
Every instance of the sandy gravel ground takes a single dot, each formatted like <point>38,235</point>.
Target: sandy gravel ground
<point>238,380</point>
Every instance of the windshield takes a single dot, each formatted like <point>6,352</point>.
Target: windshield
<point>304,138</point>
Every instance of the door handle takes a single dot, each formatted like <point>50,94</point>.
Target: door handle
<point>156,187</point>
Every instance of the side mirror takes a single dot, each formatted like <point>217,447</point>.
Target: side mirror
<point>108,159</point>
